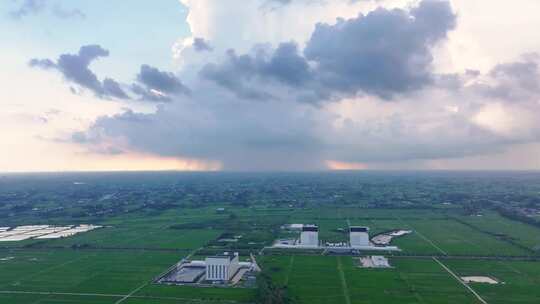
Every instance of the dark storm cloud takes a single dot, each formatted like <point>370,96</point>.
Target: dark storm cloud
<point>112,88</point>
<point>383,53</point>
<point>165,82</point>
<point>201,45</point>
<point>287,66</point>
<point>158,86</point>
<point>235,73</point>
<point>75,69</point>
<point>240,135</point>
<point>148,94</point>
<point>240,74</point>
<point>153,84</point>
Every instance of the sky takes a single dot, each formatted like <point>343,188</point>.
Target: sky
<point>269,85</point>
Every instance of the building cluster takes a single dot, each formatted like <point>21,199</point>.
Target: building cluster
<point>309,239</point>
<point>358,236</point>
<point>224,269</point>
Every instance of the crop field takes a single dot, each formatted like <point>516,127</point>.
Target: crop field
<point>240,295</point>
<point>141,238</point>
<point>110,263</point>
<point>364,214</point>
<point>411,281</point>
<point>97,276</point>
<point>503,228</point>
<point>117,264</point>
<point>55,299</point>
<point>68,271</point>
<point>519,280</point>
<point>454,238</point>
<point>122,259</point>
<point>433,234</point>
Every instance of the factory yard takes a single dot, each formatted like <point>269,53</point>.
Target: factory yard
<point>359,239</point>
<point>225,270</point>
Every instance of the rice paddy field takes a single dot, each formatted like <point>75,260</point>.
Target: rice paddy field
<point>410,281</point>
<point>503,228</point>
<point>119,262</point>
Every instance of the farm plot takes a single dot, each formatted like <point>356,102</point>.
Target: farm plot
<point>410,281</point>
<point>197,294</point>
<point>336,280</point>
<point>55,299</point>
<point>518,280</point>
<point>503,228</point>
<point>154,238</point>
<point>454,238</point>
<point>68,271</point>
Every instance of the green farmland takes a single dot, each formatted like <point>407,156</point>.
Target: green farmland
<point>411,281</point>
<point>118,263</point>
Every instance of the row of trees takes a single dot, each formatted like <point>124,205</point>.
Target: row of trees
<point>270,293</point>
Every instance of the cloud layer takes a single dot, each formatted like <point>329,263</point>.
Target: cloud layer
<point>363,89</point>
<point>383,53</point>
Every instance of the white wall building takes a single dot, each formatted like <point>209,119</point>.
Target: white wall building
<point>221,267</point>
<point>359,236</point>
<point>309,236</point>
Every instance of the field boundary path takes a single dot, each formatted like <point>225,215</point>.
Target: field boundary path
<point>460,281</point>
<point>53,267</point>
<point>106,295</point>
<point>466,257</point>
<point>134,291</point>
<point>291,263</point>
<point>343,281</point>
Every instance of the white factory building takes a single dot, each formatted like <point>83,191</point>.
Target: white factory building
<point>309,236</point>
<point>359,236</point>
<point>358,240</point>
<point>222,267</point>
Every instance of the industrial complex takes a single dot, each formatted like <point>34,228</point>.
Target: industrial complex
<point>358,239</point>
<point>225,270</point>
